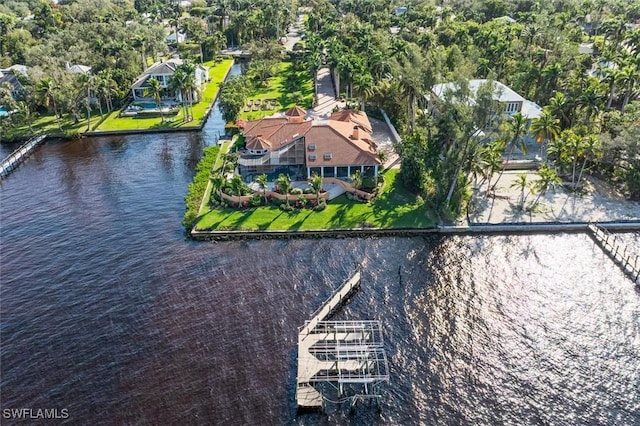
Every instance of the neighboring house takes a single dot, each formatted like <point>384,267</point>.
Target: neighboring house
<point>9,77</point>
<point>512,101</point>
<point>171,37</point>
<point>162,71</point>
<point>289,143</point>
<point>77,69</point>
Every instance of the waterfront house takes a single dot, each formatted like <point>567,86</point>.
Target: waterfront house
<point>291,143</point>
<point>9,78</point>
<point>162,71</point>
<point>506,96</point>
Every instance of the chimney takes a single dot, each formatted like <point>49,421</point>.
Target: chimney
<point>356,133</point>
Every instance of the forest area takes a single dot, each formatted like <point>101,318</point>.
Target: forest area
<point>579,60</point>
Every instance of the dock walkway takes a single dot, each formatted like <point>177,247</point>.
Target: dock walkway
<point>14,159</point>
<point>311,334</point>
<point>628,261</point>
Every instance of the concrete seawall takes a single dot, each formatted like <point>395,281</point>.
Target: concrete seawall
<point>515,228</point>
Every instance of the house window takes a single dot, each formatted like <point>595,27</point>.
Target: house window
<point>312,157</point>
<point>312,147</point>
<point>512,107</point>
<point>327,156</point>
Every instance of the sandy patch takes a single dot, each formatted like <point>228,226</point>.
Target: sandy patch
<point>599,203</point>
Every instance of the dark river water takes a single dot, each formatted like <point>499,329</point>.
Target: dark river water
<point>109,312</point>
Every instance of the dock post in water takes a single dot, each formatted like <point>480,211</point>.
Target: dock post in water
<point>628,262</point>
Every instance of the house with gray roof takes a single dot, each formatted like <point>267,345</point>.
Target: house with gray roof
<point>506,96</point>
<point>162,71</point>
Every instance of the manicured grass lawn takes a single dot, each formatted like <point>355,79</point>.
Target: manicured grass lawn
<point>394,208</point>
<point>281,87</point>
<point>216,76</point>
<point>47,124</point>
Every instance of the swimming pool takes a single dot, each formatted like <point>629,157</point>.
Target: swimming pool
<point>3,112</point>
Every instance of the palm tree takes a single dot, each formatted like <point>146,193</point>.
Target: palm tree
<point>154,90</point>
<point>24,114</point>
<point>46,93</point>
<point>88,83</point>
<point>629,77</point>
<point>316,184</point>
<point>559,107</point>
<point>139,44</point>
<point>516,129</point>
<point>237,186</point>
<point>591,150</point>
<point>491,155</point>
<point>217,182</point>
<point>522,184</point>
<point>283,182</point>
<point>549,179</point>
<point>545,128</point>
<point>261,180</point>
<point>177,83</point>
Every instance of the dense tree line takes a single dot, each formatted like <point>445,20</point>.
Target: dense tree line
<point>392,58</point>
<point>118,39</point>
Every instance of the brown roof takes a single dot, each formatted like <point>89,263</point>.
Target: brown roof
<point>336,138</point>
<point>346,136</point>
<point>295,111</point>
<point>278,131</point>
<point>353,116</point>
<point>258,143</point>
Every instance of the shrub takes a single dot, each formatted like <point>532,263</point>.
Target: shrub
<point>285,207</point>
<point>307,190</point>
<point>256,200</point>
<point>303,201</point>
<point>321,206</point>
<point>296,191</point>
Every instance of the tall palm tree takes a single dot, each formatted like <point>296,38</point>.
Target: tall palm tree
<point>516,129</point>
<point>522,183</point>
<point>316,185</point>
<point>88,82</point>
<point>283,182</point>
<point>491,155</point>
<point>559,106</point>
<point>591,150</point>
<point>177,83</point>
<point>46,94</point>
<point>545,128</point>
<point>24,114</point>
<point>261,180</point>
<point>629,76</point>
<point>154,90</point>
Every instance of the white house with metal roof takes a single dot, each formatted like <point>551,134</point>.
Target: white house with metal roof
<point>511,100</point>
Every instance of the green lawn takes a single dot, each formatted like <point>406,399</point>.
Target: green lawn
<point>47,124</point>
<point>216,76</point>
<point>394,208</point>
<point>281,87</point>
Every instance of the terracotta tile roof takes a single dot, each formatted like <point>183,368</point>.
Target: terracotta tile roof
<point>295,111</point>
<point>357,117</point>
<point>345,137</point>
<point>335,138</point>
<point>258,143</point>
<point>278,131</point>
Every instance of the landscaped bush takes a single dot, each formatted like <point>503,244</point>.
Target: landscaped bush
<point>296,191</point>
<point>286,207</point>
<point>256,200</point>
<point>308,190</point>
<point>321,206</point>
<point>196,189</point>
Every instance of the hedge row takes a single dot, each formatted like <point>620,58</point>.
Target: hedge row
<point>196,189</point>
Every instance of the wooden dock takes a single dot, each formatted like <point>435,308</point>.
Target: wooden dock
<point>12,161</point>
<point>308,364</point>
<point>628,260</point>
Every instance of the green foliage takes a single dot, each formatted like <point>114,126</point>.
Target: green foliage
<point>198,186</point>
